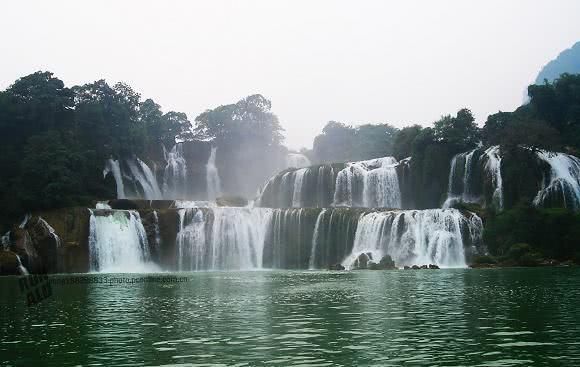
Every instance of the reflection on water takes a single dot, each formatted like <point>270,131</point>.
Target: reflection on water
<point>502,317</point>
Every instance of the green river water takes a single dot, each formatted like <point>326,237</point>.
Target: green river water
<point>452,317</point>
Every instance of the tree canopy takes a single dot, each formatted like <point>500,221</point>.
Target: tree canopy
<point>55,139</point>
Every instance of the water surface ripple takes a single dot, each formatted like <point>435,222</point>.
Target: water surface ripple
<point>504,317</point>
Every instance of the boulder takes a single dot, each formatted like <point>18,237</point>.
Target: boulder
<point>406,267</point>
<point>424,267</point>
<point>415,267</point>
<point>9,263</point>
<point>45,241</point>
<point>336,267</point>
<point>362,261</point>
<point>433,266</point>
<point>24,248</point>
<point>386,263</point>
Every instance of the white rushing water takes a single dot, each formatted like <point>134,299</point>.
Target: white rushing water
<point>459,190</point>
<point>146,179</point>
<point>376,178</point>
<point>222,238</point>
<point>118,243</point>
<point>493,168</point>
<point>464,183</point>
<point>315,237</point>
<point>175,173</point>
<point>212,176</point>
<point>414,237</point>
<point>51,231</point>
<point>113,167</point>
<point>298,177</point>
<point>563,181</point>
<point>297,160</point>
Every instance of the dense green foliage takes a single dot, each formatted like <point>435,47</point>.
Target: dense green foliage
<point>341,143</point>
<point>524,234</point>
<point>55,139</point>
<point>245,133</point>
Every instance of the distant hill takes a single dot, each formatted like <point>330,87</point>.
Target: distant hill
<point>568,61</point>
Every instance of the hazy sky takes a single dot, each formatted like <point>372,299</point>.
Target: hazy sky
<point>401,62</point>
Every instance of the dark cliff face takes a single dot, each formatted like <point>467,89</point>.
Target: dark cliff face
<point>53,241</point>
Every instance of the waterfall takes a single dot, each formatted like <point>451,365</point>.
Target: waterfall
<point>113,167</point>
<point>118,242</point>
<point>146,179</point>
<point>312,260</point>
<point>222,238</point>
<point>460,178</point>
<point>415,237</point>
<point>475,177</point>
<point>493,167</point>
<point>212,177</point>
<point>21,269</point>
<point>191,240</point>
<point>157,232</point>
<point>298,181</point>
<point>51,231</point>
<point>5,241</point>
<point>297,160</point>
<point>175,173</point>
<point>372,183</point>
<point>311,187</point>
<point>563,182</point>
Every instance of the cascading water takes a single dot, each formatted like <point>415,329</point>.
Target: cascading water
<point>312,260</point>
<point>157,232</point>
<point>472,175</point>
<point>297,160</point>
<point>222,238</point>
<point>146,179</point>
<point>298,177</point>
<point>493,167</point>
<point>113,167</point>
<point>51,230</point>
<point>175,173</point>
<point>212,177</point>
<point>563,182</point>
<point>372,183</point>
<point>191,240</point>
<point>415,237</point>
<point>118,242</point>
<point>460,178</point>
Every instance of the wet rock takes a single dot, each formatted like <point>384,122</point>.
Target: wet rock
<point>234,201</point>
<point>9,264</point>
<point>433,266</point>
<point>24,248</point>
<point>123,204</point>
<point>386,263</point>
<point>46,243</point>
<point>336,267</point>
<point>424,267</point>
<point>406,267</point>
<point>362,261</point>
<point>550,262</point>
<point>415,267</point>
